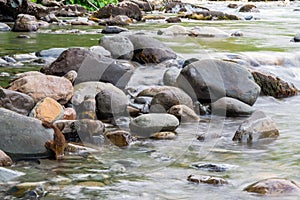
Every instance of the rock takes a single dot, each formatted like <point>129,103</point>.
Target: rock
<point>4,27</point>
<point>70,11</point>
<point>16,101</point>
<point>178,6</point>
<point>53,52</point>
<point>256,128</point>
<point>143,5</point>
<point>173,30</point>
<point>41,86</point>
<point>272,85</point>
<point>248,17</point>
<point>210,79</point>
<point>207,179</point>
<point>25,23</point>
<point>164,100</point>
<point>149,50</point>
<point>47,109</point>
<point>189,61</point>
<point>147,124</point>
<point>296,38</point>
<point>237,34</point>
<point>184,113</point>
<point>69,114</point>
<point>210,15</point>
<point>23,136</point>
<point>25,57</point>
<point>170,76</point>
<point>111,103</point>
<point>213,167</point>
<point>248,8</point>
<point>273,187</point>
<point>87,108</point>
<point>119,20</point>
<point>70,59</point>
<point>8,174</point>
<point>71,76</point>
<point>122,8</point>
<point>230,107</point>
<point>232,5</point>
<point>173,20</point>
<point>202,31</point>
<point>99,50</point>
<point>113,30</point>
<point>28,190</point>
<point>5,160</point>
<point>163,135</point>
<point>119,138</point>
<point>51,3</point>
<point>120,47</point>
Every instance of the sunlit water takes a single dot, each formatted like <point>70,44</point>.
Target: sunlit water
<point>152,169</point>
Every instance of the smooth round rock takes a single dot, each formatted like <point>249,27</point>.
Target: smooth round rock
<point>4,27</point>
<point>184,113</point>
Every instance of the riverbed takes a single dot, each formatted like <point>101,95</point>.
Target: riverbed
<point>152,169</point>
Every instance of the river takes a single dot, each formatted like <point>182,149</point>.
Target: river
<point>151,169</point>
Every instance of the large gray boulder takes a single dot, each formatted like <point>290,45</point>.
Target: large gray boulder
<point>16,101</point>
<point>150,50</point>
<point>210,79</point>
<point>147,124</point>
<point>23,136</point>
<point>257,127</point>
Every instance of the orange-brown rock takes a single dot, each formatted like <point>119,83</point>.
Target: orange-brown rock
<point>5,160</point>
<point>69,114</point>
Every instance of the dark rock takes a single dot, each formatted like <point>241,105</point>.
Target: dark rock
<point>122,8</point>
<point>149,50</point>
<point>207,179</point>
<point>119,46</point>
<point>9,59</point>
<point>210,167</point>
<point>189,61</point>
<point>173,20</point>
<point>237,34</point>
<point>4,27</point>
<point>257,127</point>
<point>113,30</point>
<point>248,17</point>
<point>147,124</point>
<point>296,38</point>
<point>232,5</point>
<point>16,101</point>
<point>119,138</point>
<point>23,136</point>
<point>273,187</point>
<point>25,23</point>
<point>111,103</point>
<point>143,5</point>
<point>210,79</point>
<point>248,8</point>
<point>230,107</point>
<point>272,85</point>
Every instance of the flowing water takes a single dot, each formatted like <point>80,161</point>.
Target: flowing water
<point>158,169</point>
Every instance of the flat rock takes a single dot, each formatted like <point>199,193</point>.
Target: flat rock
<point>230,107</point>
<point>147,124</point>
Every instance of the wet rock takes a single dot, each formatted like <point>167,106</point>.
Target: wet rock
<point>47,109</point>
<point>87,108</point>
<point>210,79</point>
<point>147,124</point>
<point>206,179</point>
<point>230,107</point>
<point>119,20</point>
<point>69,114</point>
<point>23,136</point>
<point>40,86</point>
<point>189,61</point>
<point>119,46</point>
<point>170,76</point>
<point>122,8</point>
<point>184,113</point>
<point>164,100</point>
<point>256,128</point>
<point>210,15</point>
<point>173,30</point>
<point>99,50</point>
<point>5,160</point>
<point>119,138</point>
<point>25,23</point>
<point>8,174</point>
<point>111,103</point>
<point>178,6</point>
<point>296,38</point>
<point>199,31</point>
<point>163,135</point>
<point>113,30</point>
<point>248,8</point>
<point>9,59</point>
<point>16,101</point>
<point>173,20</point>
<point>232,5</point>
<point>272,85</point>
<point>53,52</point>
<point>248,17</point>
<point>237,33</point>
<point>149,50</point>
<point>4,27</point>
<point>273,187</point>
<point>28,190</point>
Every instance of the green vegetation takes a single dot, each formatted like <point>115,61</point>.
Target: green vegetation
<point>91,4</point>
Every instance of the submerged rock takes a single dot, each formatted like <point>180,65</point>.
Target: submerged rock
<point>207,179</point>
<point>147,124</point>
<point>230,107</point>
<point>256,128</point>
<point>210,79</point>
<point>273,187</point>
